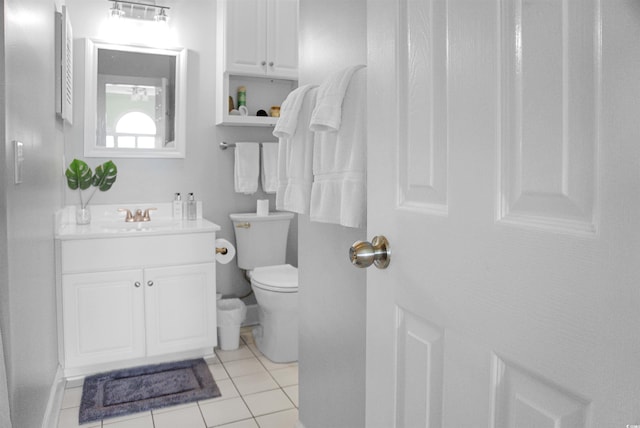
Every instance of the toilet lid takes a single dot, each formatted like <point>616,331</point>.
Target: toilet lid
<point>281,278</point>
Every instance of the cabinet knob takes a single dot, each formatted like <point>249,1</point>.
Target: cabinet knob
<point>271,64</point>
<point>150,283</point>
<point>137,284</point>
<point>263,63</point>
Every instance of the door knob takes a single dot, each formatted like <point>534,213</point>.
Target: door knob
<point>377,252</point>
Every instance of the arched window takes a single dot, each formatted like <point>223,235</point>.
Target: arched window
<point>134,130</point>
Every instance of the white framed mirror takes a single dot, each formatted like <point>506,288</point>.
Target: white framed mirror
<point>135,101</point>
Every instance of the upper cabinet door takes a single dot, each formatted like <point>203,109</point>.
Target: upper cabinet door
<point>261,37</point>
<point>246,28</point>
<point>282,38</point>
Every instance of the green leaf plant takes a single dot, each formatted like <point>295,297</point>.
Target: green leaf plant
<point>79,176</point>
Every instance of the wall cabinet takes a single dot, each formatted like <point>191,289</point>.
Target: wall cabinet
<point>257,48</point>
<point>141,300</point>
<point>261,37</point>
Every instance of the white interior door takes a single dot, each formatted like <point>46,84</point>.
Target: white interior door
<point>504,170</point>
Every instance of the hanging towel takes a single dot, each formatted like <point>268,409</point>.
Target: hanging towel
<point>289,111</point>
<point>269,176</point>
<point>327,115</point>
<point>247,167</point>
<point>295,152</point>
<point>338,194</point>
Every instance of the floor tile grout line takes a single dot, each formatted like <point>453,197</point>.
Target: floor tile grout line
<point>280,387</point>
<point>242,396</point>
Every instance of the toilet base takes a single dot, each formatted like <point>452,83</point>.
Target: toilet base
<point>278,347</point>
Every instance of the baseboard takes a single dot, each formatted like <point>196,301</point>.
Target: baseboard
<point>52,412</point>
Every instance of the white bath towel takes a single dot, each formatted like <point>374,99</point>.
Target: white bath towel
<point>338,194</point>
<point>327,115</point>
<point>247,167</point>
<point>269,175</point>
<point>289,111</point>
<point>295,157</point>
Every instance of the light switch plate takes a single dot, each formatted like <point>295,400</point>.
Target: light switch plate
<point>18,160</point>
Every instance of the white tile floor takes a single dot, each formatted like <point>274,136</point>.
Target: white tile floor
<point>256,393</point>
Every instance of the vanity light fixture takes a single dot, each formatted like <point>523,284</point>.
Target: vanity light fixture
<point>161,16</point>
<point>115,11</point>
<point>138,10</point>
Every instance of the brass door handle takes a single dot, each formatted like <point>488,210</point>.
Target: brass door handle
<point>377,252</point>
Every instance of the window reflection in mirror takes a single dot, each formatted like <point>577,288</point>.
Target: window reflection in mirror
<point>137,97</point>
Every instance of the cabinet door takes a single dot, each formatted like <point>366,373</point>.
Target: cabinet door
<point>180,307</point>
<point>103,315</point>
<point>282,39</point>
<point>245,37</point>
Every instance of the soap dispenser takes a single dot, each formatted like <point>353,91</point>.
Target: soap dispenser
<point>177,206</point>
<point>192,209</point>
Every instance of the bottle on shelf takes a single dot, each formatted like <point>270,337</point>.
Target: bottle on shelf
<point>242,96</point>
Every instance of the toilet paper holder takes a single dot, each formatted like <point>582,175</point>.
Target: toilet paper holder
<point>221,250</point>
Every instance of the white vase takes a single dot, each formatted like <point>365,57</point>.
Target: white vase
<point>83,215</point>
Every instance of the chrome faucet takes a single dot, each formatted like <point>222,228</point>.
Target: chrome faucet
<point>138,216</point>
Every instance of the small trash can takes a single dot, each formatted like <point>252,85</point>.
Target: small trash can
<point>230,315</point>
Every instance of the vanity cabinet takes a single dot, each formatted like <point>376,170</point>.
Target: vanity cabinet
<point>258,49</point>
<point>127,301</point>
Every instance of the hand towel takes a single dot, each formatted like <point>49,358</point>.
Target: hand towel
<point>338,194</point>
<point>327,114</point>
<point>269,175</point>
<point>295,157</point>
<point>289,111</point>
<point>247,167</point>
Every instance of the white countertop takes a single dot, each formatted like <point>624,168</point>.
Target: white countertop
<point>107,222</point>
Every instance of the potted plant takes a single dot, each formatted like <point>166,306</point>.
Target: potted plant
<point>79,176</point>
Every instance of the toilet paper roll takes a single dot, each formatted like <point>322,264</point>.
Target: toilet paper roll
<point>231,251</point>
<point>244,111</point>
<point>262,208</point>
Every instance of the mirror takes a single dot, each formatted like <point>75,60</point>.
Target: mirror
<point>135,100</point>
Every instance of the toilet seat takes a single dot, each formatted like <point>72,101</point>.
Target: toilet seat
<point>279,279</point>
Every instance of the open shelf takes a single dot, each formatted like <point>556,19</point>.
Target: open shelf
<point>262,93</point>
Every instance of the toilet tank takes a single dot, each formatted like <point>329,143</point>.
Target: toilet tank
<point>261,240</point>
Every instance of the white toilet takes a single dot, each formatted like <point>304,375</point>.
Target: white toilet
<point>261,244</point>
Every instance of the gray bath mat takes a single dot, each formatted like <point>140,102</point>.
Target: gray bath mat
<point>138,389</point>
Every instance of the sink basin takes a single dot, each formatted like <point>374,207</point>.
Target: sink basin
<point>108,222</point>
<point>149,226</point>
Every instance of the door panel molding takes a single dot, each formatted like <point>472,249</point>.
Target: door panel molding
<point>522,397</point>
<point>420,370</point>
<point>423,144</point>
<point>550,96</point>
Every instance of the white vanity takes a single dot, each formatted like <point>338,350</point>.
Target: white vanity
<point>134,293</point>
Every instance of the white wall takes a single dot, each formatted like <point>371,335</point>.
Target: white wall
<point>27,285</point>
<point>207,171</point>
<point>332,292</point>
